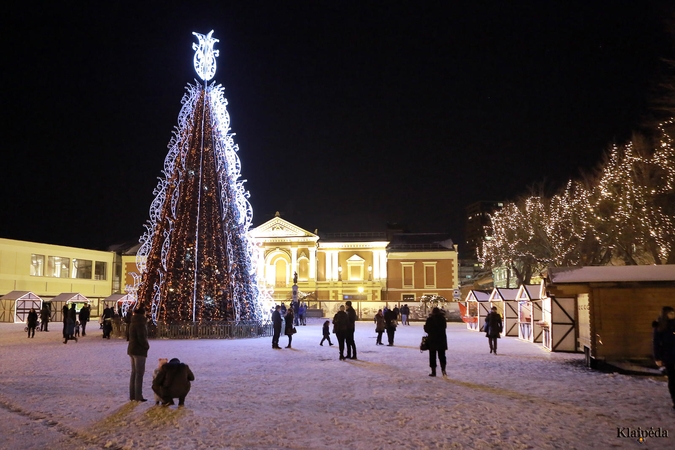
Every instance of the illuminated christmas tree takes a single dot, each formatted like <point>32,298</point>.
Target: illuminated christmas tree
<point>196,262</point>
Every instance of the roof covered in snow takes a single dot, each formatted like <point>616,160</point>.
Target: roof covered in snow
<point>599,274</point>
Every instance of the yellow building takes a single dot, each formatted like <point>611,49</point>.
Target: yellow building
<point>362,267</point>
<point>49,270</point>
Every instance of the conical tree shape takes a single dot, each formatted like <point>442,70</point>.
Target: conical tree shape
<point>195,259</point>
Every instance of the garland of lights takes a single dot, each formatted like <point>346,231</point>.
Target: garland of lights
<point>196,260</point>
<point>626,215</point>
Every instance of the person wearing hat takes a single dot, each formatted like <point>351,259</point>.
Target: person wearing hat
<point>173,381</point>
<point>138,351</point>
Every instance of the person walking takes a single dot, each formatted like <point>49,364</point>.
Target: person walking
<point>437,340</point>
<point>84,318</point>
<point>405,312</point>
<point>390,326</point>
<point>107,322</point>
<point>664,346</point>
<point>493,328</point>
<point>326,333</point>
<point>32,322</point>
<point>276,326</point>
<point>45,315</point>
<point>379,326</point>
<point>340,326</point>
<point>351,328</point>
<point>137,349</point>
<point>289,328</point>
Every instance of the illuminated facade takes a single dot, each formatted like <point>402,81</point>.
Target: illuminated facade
<point>49,270</point>
<point>362,267</point>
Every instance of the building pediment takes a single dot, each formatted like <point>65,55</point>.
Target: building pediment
<point>280,228</point>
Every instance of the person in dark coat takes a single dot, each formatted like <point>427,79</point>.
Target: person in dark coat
<point>435,327</point>
<point>107,322</point>
<point>64,313</point>
<point>379,326</point>
<point>664,346</point>
<point>32,321</point>
<point>326,333</point>
<point>288,330</point>
<point>173,381</point>
<point>70,324</point>
<point>127,321</point>
<point>340,326</point>
<point>137,349</point>
<point>351,328</point>
<point>45,315</point>
<point>493,328</point>
<point>390,326</point>
<point>84,318</point>
<point>276,325</point>
<point>405,312</point>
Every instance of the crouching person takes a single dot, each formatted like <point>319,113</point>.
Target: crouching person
<point>173,381</point>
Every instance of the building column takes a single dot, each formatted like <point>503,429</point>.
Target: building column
<point>312,263</point>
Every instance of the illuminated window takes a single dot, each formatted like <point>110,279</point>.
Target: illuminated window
<point>408,275</point>
<point>430,274</point>
<point>82,269</point>
<point>303,268</point>
<point>100,270</point>
<point>355,266</point>
<point>37,265</point>
<point>407,298</point>
<point>58,266</point>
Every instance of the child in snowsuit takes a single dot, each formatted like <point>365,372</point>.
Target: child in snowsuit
<point>326,333</point>
<point>162,361</point>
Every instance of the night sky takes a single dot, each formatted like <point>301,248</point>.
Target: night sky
<point>348,114</point>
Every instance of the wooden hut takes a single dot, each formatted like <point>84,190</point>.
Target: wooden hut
<point>66,298</point>
<point>504,299</point>
<point>476,307</point>
<point>15,306</point>
<point>120,302</point>
<point>615,307</point>
<point>529,312</point>
<point>558,317</point>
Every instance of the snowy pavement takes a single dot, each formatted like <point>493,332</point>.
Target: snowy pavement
<point>248,396</point>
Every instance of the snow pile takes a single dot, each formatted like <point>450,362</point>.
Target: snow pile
<point>249,396</point>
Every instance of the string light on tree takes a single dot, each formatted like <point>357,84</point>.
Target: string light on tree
<point>196,260</point>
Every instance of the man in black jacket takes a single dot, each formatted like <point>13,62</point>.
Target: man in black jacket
<point>276,324</point>
<point>351,328</point>
<point>84,318</point>
<point>173,381</point>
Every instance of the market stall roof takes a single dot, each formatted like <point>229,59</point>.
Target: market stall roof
<point>504,293</point>
<point>118,297</point>
<point>599,274</point>
<point>476,295</point>
<point>70,297</point>
<point>20,295</point>
<point>529,292</point>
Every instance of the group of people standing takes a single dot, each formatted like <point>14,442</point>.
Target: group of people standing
<point>386,321</point>
<point>71,324</point>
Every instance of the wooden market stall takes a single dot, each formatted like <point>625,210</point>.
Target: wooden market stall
<point>67,298</point>
<point>615,307</point>
<point>15,306</point>
<point>475,308</point>
<point>558,322</point>
<point>504,299</point>
<point>120,302</point>
<point>529,312</point>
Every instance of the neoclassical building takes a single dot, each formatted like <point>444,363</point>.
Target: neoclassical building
<point>372,269</point>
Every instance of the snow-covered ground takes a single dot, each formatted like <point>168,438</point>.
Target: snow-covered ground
<point>247,395</point>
